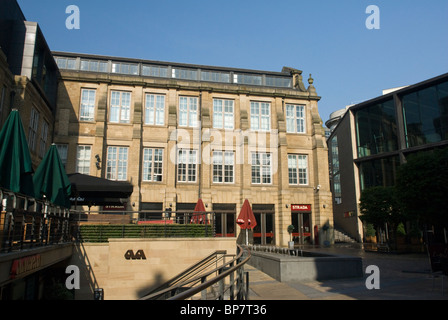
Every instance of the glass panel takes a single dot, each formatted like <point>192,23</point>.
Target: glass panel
<point>376,129</point>
<point>380,172</point>
<point>426,116</point>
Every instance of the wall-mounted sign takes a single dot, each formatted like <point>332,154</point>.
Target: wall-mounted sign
<point>139,255</point>
<point>349,214</point>
<point>114,208</point>
<point>301,207</point>
<point>24,265</point>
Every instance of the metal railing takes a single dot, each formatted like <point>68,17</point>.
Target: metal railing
<point>228,281</point>
<point>26,222</point>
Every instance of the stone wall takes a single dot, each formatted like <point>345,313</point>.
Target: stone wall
<point>106,266</point>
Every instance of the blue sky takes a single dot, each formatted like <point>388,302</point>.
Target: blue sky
<point>327,38</point>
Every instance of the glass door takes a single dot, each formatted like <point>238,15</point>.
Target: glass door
<point>264,232</point>
<point>302,227</point>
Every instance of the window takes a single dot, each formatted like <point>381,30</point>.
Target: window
<point>247,79</point>
<point>188,111</point>
<point>43,139</point>
<point>334,170</point>
<point>125,68</point>
<point>378,172</point>
<point>120,107</point>
<point>376,129</point>
<point>184,74</point>
<point>94,65</point>
<point>223,167</point>
<point>32,130</point>
<point>223,114</point>
<point>83,159</point>
<point>155,71</point>
<point>62,150</point>
<point>425,115</point>
<point>117,163</point>
<point>261,168</point>
<point>279,82</point>
<point>87,111</point>
<point>187,165</point>
<point>152,164</point>
<point>298,169</point>
<point>260,116</point>
<point>295,118</point>
<point>155,109</point>
<point>66,63</point>
<point>215,76</point>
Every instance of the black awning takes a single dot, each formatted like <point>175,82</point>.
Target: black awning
<point>93,191</point>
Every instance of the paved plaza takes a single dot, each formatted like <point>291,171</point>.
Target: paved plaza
<point>402,277</point>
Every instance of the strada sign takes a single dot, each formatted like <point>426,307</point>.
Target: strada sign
<point>301,207</point>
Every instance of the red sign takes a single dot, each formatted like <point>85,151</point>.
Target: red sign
<point>24,265</point>
<point>114,208</point>
<point>301,207</point>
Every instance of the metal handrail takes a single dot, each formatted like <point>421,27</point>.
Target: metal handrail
<point>227,269</point>
<point>183,276</point>
<point>203,286</point>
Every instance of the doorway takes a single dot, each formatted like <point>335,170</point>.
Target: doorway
<point>301,220</point>
<point>264,231</point>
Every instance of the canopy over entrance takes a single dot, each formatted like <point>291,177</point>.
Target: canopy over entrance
<point>93,191</point>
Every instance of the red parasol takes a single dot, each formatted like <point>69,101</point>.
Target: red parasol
<point>199,208</point>
<point>246,219</point>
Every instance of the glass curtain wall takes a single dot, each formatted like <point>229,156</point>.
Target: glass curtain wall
<point>376,127</point>
<point>426,115</point>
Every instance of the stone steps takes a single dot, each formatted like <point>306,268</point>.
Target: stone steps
<point>341,237</point>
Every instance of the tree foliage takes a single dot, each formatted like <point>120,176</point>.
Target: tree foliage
<point>422,187</point>
<point>379,206</point>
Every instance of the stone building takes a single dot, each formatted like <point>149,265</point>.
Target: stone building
<point>181,132</point>
<point>28,78</point>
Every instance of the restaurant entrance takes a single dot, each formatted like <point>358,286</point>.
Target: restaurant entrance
<point>301,220</point>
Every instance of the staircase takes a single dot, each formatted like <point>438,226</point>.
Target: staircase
<point>341,237</point>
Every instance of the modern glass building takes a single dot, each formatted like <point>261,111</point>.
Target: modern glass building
<point>374,137</point>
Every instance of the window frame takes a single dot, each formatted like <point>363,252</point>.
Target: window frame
<point>298,175</point>
<point>150,165</point>
<point>63,153</point>
<point>191,115</point>
<point>294,118</point>
<point>224,115</point>
<point>32,128</point>
<point>221,165</point>
<point>191,164</point>
<point>153,109</point>
<point>256,119</point>
<point>79,167</point>
<point>91,108</point>
<point>43,138</point>
<point>113,165</point>
<point>123,114</point>
<point>262,157</point>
